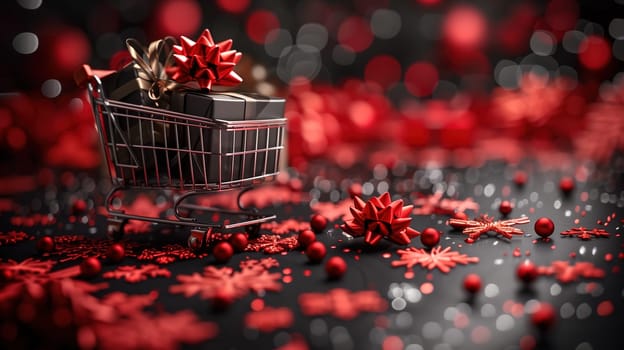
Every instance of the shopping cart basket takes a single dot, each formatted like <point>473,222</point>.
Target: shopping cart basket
<point>155,149</point>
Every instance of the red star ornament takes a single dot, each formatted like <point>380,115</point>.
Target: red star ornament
<point>380,218</point>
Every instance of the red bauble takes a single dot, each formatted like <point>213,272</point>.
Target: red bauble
<point>115,253</point>
<point>305,238</point>
<point>527,272</point>
<point>520,178</point>
<point>316,251</point>
<point>566,184</point>
<point>544,227</point>
<point>430,237</point>
<point>222,300</point>
<point>223,251</point>
<point>90,267</point>
<point>79,207</point>
<point>239,241</point>
<point>472,283</point>
<point>335,267</point>
<point>544,316</point>
<point>505,207</point>
<point>318,223</point>
<point>355,190</point>
<point>45,244</point>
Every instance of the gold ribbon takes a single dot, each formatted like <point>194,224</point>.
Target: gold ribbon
<point>151,65</point>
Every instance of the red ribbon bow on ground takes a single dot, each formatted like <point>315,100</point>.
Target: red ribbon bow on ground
<point>205,62</point>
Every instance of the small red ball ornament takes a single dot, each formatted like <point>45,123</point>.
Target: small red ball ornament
<point>223,251</point>
<point>335,267</point>
<point>115,253</point>
<point>472,283</point>
<point>544,316</point>
<point>222,300</point>
<point>79,207</point>
<point>520,178</point>
<point>90,267</point>
<point>318,223</point>
<point>527,272</point>
<point>316,251</point>
<point>45,244</point>
<point>566,184</point>
<point>305,238</point>
<point>430,237</point>
<point>239,241</point>
<point>544,227</point>
<point>505,207</point>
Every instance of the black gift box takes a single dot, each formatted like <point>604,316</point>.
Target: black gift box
<point>124,85</point>
<point>243,153</point>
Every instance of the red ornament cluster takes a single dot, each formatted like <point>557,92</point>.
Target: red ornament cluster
<point>205,62</point>
<point>380,218</point>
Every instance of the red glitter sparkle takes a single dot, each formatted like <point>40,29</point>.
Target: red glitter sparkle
<point>269,319</point>
<point>585,233</point>
<point>272,244</point>
<point>435,204</point>
<point>475,228</point>
<point>227,282</point>
<point>134,274</point>
<point>566,273</point>
<point>168,254</point>
<point>442,259</point>
<point>74,247</point>
<point>341,303</point>
<point>379,217</point>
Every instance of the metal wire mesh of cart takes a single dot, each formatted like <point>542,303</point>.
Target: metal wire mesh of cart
<point>155,148</point>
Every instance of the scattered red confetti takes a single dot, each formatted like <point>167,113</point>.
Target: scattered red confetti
<point>269,319</point>
<point>226,281</point>
<point>286,226</point>
<point>12,237</point>
<point>134,274</point>
<point>475,228</point>
<point>584,233</point>
<point>564,272</point>
<point>341,303</point>
<point>379,218</point>
<point>272,244</point>
<point>442,259</point>
<point>435,204</point>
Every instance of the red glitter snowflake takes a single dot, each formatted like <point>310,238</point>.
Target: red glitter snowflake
<point>342,303</point>
<point>26,268</point>
<point>566,273</point>
<point>286,226</point>
<point>265,263</point>
<point>134,274</point>
<point>585,233</point>
<point>75,247</point>
<point>333,211</point>
<point>442,259</point>
<point>272,244</point>
<point>12,237</point>
<point>269,319</point>
<point>435,204</point>
<point>380,218</point>
<point>227,282</point>
<point>475,228</point>
<point>168,254</point>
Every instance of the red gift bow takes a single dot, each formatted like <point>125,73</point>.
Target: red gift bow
<point>205,62</point>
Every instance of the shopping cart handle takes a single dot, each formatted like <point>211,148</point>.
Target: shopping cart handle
<point>83,75</point>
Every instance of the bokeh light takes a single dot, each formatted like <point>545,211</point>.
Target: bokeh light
<point>595,52</point>
<point>259,24</point>
<point>30,4</point>
<point>26,43</point>
<point>465,26</point>
<point>233,6</point>
<point>179,17</point>
<point>385,23</point>
<point>421,79</point>
<point>355,33</point>
<point>70,49</point>
<point>384,70</point>
<point>51,88</point>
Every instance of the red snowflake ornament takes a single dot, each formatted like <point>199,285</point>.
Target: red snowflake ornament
<point>342,303</point>
<point>269,319</point>
<point>585,233</point>
<point>227,282</point>
<point>168,254</point>
<point>380,218</point>
<point>435,204</point>
<point>265,263</point>
<point>134,274</point>
<point>26,268</point>
<point>272,244</point>
<point>286,226</point>
<point>566,273</point>
<point>12,237</point>
<point>442,259</point>
<point>475,228</point>
<point>205,62</point>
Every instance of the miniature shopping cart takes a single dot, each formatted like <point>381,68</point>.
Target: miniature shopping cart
<point>155,149</point>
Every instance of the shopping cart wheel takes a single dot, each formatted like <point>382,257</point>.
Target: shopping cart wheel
<point>115,229</point>
<point>198,239</point>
